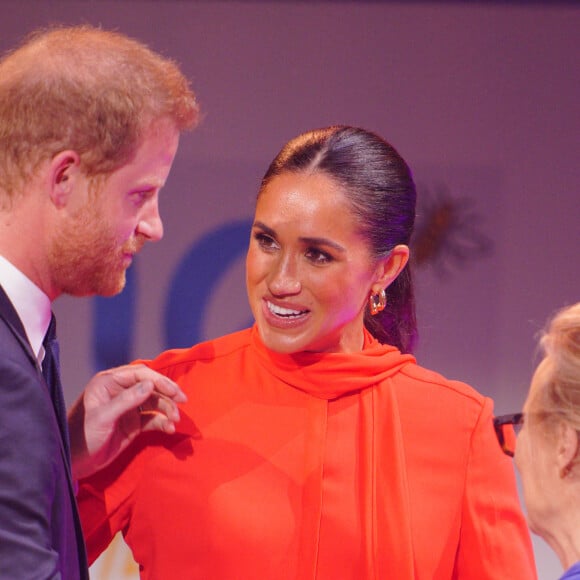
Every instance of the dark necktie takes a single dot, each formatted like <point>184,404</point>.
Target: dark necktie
<point>51,372</point>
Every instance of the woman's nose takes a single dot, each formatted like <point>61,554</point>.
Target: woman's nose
<point>284,279</point>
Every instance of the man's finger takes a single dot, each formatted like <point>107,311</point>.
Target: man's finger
<point>129,375</point>
<point>157,404</point>
<point>156,421</point>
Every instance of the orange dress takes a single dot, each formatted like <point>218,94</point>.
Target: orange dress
<point>313,466</point>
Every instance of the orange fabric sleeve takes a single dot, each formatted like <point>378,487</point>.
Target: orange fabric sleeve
<point>494,534</point>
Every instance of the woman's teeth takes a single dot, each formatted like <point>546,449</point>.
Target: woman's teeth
<point>280,311</point>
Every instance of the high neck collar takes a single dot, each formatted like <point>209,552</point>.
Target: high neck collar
<point>331,375</point>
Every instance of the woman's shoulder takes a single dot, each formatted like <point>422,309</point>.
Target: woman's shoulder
<point>440,404</point>
<point>435,384</point>
<point>209,350</point>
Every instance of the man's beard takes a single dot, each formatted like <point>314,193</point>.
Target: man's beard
<point>86,258</point>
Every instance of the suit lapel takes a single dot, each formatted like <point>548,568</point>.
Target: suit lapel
<point>12,320</point>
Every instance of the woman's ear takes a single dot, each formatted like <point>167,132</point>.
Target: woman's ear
<point>568,448</point>
<point>64,171</point>
<point>391,266</point>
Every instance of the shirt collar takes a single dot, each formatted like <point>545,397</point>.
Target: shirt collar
<point>31,304</point>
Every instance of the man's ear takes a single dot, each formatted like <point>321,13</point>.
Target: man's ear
<point>391,266</point>
<point>64,171</point>
<point>568,447</point>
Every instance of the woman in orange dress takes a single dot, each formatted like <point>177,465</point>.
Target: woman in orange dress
<point>312,445</point>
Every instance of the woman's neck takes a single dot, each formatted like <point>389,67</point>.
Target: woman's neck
<point>564,536</point>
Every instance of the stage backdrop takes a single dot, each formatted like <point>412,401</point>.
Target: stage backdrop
<point>480,98</point>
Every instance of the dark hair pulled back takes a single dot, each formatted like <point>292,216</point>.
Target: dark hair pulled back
<point>380,188</point>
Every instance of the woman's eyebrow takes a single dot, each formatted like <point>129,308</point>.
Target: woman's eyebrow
<point>304,239</point>
<point>322,242</point>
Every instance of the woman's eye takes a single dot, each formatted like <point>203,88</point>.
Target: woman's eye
<point>318,256</point>
<point>265,242</point>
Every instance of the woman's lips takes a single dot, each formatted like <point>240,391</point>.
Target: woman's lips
<point>284,316</point>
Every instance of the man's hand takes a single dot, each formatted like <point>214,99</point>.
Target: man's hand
<point>114,408</point>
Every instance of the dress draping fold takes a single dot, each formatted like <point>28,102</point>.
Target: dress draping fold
<point>384,491</point>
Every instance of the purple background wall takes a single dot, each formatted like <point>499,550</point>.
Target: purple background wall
<point>479,97</point>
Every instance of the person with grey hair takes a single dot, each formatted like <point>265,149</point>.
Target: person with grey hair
<point>89,127</point>
<point>547,450</point>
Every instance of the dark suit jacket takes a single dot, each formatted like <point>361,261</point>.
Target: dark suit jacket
<point>40,536</point>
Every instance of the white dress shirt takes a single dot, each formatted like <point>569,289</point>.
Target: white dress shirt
<point>31,304</point>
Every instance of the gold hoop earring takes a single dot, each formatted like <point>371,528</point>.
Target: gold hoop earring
<point>377,302</point>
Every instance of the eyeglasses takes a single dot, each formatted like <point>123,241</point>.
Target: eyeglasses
<point>507,428</point>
